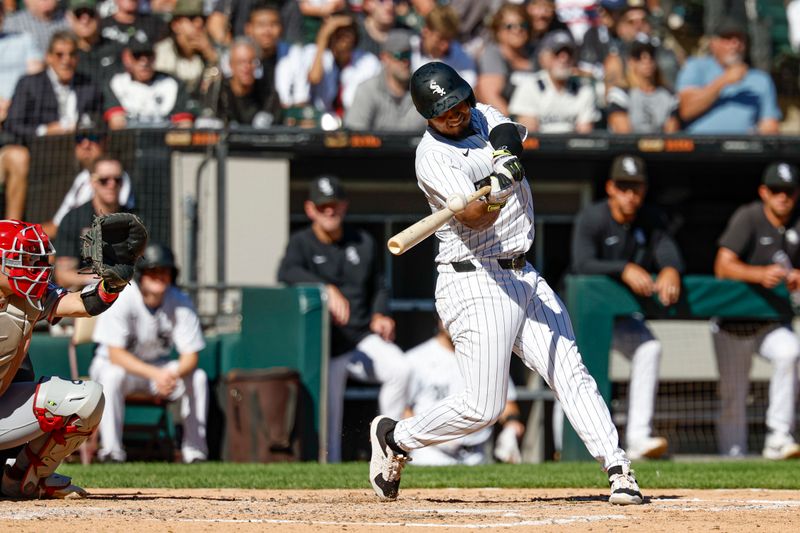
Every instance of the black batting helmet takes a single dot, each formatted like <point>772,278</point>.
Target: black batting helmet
<point>436,88</point>
<point>156,255</point>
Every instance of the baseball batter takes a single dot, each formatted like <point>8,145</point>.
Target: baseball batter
<point>490,299</point>
<point>52,417</point>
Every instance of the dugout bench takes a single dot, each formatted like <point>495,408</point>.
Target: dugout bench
<point>594,302</point>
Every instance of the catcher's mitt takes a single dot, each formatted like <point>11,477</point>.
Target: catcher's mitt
<point>112,246</point>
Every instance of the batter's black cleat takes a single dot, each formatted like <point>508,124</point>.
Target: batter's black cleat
<point>385,465</point>
<point>624,489</point>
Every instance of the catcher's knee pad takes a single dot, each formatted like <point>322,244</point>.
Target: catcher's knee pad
<point>68,412</point>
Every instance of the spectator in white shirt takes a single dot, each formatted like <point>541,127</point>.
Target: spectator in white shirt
<point>553,101</point>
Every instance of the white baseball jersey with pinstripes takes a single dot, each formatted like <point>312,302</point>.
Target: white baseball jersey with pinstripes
<point>491,312</point>
<point>445,167</point>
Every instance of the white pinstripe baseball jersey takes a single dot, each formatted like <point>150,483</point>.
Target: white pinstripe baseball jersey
<point>446,166</point>
<point>492,311</point>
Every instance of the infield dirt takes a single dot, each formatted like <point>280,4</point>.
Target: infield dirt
<point>573,510</point>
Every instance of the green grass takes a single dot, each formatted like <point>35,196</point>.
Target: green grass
<point>658,474</point>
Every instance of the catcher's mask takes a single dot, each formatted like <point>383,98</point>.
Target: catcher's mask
<point>156,255</point>
<point>25,259</point>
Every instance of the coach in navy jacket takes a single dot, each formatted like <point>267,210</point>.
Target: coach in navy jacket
<point>57,99</point>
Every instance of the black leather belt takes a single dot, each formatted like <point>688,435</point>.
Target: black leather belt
<point>514,263</point>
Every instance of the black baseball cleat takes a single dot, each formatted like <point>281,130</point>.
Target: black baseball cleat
<point>385,465</point>
<point>624,489</point>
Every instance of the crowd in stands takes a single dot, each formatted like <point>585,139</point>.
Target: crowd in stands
<point>616,65</point>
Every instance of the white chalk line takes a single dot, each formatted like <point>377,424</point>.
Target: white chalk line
<point>522,523</point>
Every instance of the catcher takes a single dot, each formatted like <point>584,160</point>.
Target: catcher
<point>52,417</point>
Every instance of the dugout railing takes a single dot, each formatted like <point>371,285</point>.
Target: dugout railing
<point>595,301</point>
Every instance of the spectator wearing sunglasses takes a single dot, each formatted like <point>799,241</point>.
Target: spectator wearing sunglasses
<point>188,51</point>
<point>643,104</point>
<point>106,177</point>
<point>384,103</point>
<point>96,56</point>
<point>507,60</point>
<point>142,97</point>
<point>89,147</point>
<point>54,101</point>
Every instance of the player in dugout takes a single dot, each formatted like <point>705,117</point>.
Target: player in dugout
<point>51,417</point>
<point>344,259</point>
<point>629,240</point>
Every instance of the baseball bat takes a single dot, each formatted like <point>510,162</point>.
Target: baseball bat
<point>422,229</point>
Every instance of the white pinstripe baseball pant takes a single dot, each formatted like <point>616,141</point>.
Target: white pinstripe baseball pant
<point>490,313</point>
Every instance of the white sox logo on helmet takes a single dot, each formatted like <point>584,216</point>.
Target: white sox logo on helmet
<point>436,88</point>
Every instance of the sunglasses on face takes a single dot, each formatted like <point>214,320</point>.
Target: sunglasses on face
<point>105,180</point>
<point>81,11</point>
<point>91,137</point>
<point>139,55</point>
<point>516,26</point>
<point>402,56</point>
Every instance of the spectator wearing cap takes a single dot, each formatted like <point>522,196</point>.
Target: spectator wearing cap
<point>552,100</point>
<point>57,99</point>
<point>97,57</point>
<point>646,106</point>
<point>721,94</point>
<point>140,96</point>
<point>187,53</point>
<point>437,42</point>
<point>626,239</point>
<point>384,102</point>
<point>333,67</point>
<point>244,99</point>
<point>89,147</point>
<point>40,19</point>
<point>344,259</point>
<point>19,55</point>
<point>127,21</point>
<point>760,245</point>
<point>506,60</point>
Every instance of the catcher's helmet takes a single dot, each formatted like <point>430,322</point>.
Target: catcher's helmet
<point>156,255</point>
<point>25,252</point>
<point>436,88</point>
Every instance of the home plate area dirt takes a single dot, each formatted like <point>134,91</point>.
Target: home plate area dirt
<point>573,510</point>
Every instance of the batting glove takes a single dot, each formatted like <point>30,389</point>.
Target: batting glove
<point>507,164</point>
<point>502,189</point>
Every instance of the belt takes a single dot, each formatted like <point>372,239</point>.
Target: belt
<point>514,263</point>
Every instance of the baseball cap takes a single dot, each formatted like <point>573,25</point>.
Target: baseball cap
<point>74,5</point>
<point>623,5</point>
<point>730,27</point>
<point>139,43</point>
<point>557,40</point>
<point>188,8</point>
<point>397,42</point>
<point>326,188</point>
<point>781,175</point>
<point>628,168</point>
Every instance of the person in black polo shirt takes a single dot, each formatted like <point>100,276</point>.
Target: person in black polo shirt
<point>626,239</point>
<point>343,258</point>
<point>106,179</point>
<point>760,245</point>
